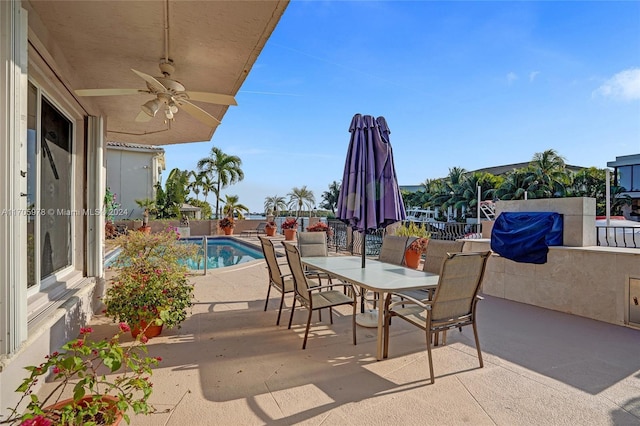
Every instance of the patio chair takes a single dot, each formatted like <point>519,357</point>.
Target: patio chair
<point>314,244</point>
<point>392,251</point>
<point>393,248</point>
<point>437,252</point>
<point>315,298</point>
<point>281,282</point>
<point>260,229</point>
<point>453,305</point>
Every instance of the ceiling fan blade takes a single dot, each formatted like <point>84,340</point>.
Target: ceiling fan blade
<point>143,117</point>
<point>151,81</point>
<point>212,98</point>
<point>108,92</point>
<point>198,113</point>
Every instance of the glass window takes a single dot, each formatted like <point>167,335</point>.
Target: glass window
<point>624,177</point>
<point>635,178</point>
<point>49,188</point>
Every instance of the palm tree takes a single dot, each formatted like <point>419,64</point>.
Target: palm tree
<point>331,196</point>
<point>222,169</point>
<point>195,184</point>
<point>301,197</point>
<point>550,172</point>
<point>232,207</point>
<point>274,204</point>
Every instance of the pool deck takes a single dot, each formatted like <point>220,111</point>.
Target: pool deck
<point>230,364</point>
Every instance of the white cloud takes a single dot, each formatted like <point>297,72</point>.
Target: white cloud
<point>511,77</point>
<point>533,75</point>
<point>625,85</point>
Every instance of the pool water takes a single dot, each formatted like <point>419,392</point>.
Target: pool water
<point>221,252</point>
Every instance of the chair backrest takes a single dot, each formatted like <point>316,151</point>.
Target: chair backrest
<point>460,278</point>
<point>437,252</point>
<point>312,244</point>
<point>269,251</point>
<point>393,248</point>
<point>297,270</point>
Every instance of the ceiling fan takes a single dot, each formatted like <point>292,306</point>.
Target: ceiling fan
<point>170,97</point>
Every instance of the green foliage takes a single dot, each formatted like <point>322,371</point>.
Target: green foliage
<point>151,283</point>
<point>232,207</point>
<point>300,198</point>
<point>205,207</point>
<point>76,366</point>
<point>412,229</point>
<point>222,170</point>
<point>330,197</point>
<point>110,204</point>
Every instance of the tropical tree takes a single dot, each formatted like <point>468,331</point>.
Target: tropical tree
<point>549,171</point>
<point>300,198</point>
<point>232,207</point>
<point>330,197</point>
<point>274,204</point>
<point>169,200</point>
<point>195,182</point>
<point>205,208</point>
<point>222,169</point>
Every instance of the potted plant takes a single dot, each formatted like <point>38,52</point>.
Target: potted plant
<point>146,205</point>
<point>320,227</point>
<point>98,398</point>
<point>289,227</point>
<point>150,287</point>
<point>414,252</point>
<point>227,224</point>
<point>270,228</point>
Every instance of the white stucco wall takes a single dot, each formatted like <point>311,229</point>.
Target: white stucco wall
<point>131,175</point>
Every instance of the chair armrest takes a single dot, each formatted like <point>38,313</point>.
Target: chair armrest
<point>406,300</point>
<point>329,286</point>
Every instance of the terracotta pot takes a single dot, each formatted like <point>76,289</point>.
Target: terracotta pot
<point>227,231</point>
<point>145,229</point>
<point>270,231</point>
<point>151,331</point>
<point>412,259</point>
<point>85,401</point>
<point>289,234</point>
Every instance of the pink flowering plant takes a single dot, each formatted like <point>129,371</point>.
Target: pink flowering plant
<point>290,224</point>
<point>320,227</point>
<point>150,283</point>
<point>90,370</point>
<point>419,245</point>
<point>226,222</point>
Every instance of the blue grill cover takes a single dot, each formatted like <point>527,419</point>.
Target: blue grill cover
<point>526,236</point>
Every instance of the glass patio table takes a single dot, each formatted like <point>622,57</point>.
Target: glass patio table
<point>376,276</point>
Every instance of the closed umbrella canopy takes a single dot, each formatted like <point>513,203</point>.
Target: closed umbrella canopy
<point>369,195</point>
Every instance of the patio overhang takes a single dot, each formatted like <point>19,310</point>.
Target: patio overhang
<point>213,45</point>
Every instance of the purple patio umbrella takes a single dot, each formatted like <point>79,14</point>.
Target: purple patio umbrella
<point>369,195</point>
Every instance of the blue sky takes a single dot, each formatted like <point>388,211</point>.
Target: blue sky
<point>461,84</point>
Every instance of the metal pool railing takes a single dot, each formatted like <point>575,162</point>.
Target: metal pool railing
<point>618,236</point>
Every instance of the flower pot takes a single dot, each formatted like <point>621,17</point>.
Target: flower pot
<point>151,331</point>
<point>270,231</point>
<point>145,229</point>
<point>85,402</point>
<point>227,231</point>
<point>290,234</point>
<point>412,259</point>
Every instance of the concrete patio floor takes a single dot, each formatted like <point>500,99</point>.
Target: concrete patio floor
<point>230,364</point>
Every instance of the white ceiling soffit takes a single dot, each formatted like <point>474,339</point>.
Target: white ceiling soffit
<point>213,45</point>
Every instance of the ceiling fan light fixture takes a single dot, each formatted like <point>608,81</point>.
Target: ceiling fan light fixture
<point>151,107</point>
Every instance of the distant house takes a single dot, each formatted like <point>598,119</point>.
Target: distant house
<point>627,175</point>
<point>132,173</point>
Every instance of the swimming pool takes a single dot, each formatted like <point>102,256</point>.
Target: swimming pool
<point>221,252</point>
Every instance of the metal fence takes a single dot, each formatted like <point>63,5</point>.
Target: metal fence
<point>346,239</point>
<point>618,236</point>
